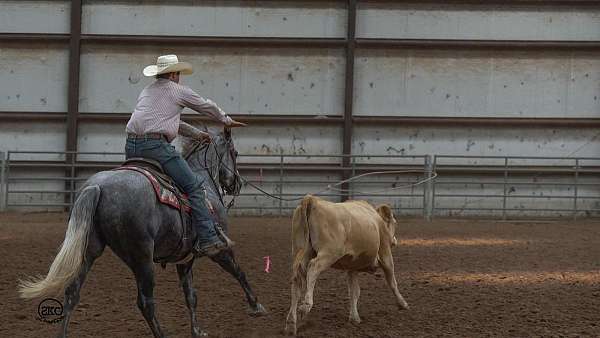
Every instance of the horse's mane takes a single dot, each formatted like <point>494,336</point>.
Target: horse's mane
<point>186,143</point>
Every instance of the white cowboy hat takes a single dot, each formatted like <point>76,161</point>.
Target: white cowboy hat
<point>168,64</point>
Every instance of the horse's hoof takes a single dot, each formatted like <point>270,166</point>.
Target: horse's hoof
<point>258,311</point>
<point>303,311</point>
<point>290,329</point>
<point>354,320</point>
<point>199,333</point>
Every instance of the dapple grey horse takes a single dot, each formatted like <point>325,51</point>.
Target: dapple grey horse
<point>120,209</point>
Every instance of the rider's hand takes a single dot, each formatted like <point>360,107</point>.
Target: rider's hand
<point>234,124</point>
<point>204,137</point>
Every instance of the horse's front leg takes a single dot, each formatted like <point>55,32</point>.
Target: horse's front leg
<point>227,261</point>
<point>185,280</point>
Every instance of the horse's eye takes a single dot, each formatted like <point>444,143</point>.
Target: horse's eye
<point>235,152</point>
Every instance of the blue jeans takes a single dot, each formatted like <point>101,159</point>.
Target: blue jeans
<point>178,169</point>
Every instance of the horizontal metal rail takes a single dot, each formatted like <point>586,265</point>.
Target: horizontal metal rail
<point>515,209</point>
<point>305,42</point>
<point>501,196</point>
<point>265,119</point>
<point>537,122</point>
<point>527,3</point>
<point>477,44</point>
<point>48,205</point>
<point>439,183</point>
<point>294,207</point>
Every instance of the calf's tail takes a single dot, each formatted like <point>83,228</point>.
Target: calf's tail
<point>301,243</point>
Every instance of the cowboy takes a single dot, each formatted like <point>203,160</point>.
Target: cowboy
<point>155,122</point>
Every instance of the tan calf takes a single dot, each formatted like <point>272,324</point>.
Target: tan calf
<point>351,236</point>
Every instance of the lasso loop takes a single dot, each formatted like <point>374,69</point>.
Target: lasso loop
<point>331,187</point>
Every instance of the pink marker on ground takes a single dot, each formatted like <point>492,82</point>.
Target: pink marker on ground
<point>267,263</point>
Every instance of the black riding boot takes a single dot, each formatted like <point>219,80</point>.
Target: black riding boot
<point>211,246</point>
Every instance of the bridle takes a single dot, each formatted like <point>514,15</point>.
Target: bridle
<point>221,191</point>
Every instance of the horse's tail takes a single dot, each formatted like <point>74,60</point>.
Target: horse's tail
<point>70,258</point>
<point>301,243</point>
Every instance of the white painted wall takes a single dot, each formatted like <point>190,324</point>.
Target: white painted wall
<point>217,18</point>
<point>33,77</point>
<point>249,81</point>
<point>476,141</point>
<point>22,16</point>
<point>476,21</point>
<point>477,83</point>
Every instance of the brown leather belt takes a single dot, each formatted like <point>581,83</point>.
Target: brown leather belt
<point>155,136</point>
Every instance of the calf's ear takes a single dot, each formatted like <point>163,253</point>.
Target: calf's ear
<point>385,212</point>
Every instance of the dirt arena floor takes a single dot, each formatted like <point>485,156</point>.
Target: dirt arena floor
<point>461,278</point>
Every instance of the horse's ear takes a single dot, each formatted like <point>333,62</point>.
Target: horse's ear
<point>227,133</point>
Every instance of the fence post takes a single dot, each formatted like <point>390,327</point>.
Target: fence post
<point>575,189</point>
<point>281,185</point>
<point>72,182</point>
<point>2,182</point>
<point>350,191</point>
<point>6,179</point>
<point>505,195</point>
<point>428,188</point>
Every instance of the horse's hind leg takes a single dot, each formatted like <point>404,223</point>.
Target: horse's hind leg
<point>144,276</point>
<point>185,279</point>
<point>227,261</point>
<point>94,250</point>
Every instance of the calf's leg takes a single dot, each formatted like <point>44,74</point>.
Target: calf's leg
<point>354,293</point>
<point>387,264</point>
<point>315,267</point>
<point>290,323</point>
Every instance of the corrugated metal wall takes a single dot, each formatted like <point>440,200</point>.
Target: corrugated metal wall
<point>446,60</point>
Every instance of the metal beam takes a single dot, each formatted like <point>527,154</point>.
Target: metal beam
<point>480,121</point>
<point>545,3</point>
<point>74,64</point>
<point>259,119</point>
<point>214,41</point>
<point>369,43</point>
<point>11,116</point>
<point>73,95</point>
<point>38,37</point>
<point>361,43</point>
<point>349,92</point>
<point>329,119</point>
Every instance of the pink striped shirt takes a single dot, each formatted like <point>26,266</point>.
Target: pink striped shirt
<point>159,107</point>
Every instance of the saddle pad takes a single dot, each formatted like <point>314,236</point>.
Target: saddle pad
<point>164,195</point>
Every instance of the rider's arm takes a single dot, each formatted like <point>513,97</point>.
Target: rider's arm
<point>190,99</point>
<point>192,132</point>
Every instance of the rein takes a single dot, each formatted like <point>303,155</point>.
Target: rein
<point>198,146</point>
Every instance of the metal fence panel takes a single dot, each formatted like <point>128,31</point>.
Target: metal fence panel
<point>2,181</point>
<point>509,186</point>
<point>498,186</point>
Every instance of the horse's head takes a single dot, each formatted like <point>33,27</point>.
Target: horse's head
<point>229,177</point>
<point>215,159</point>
